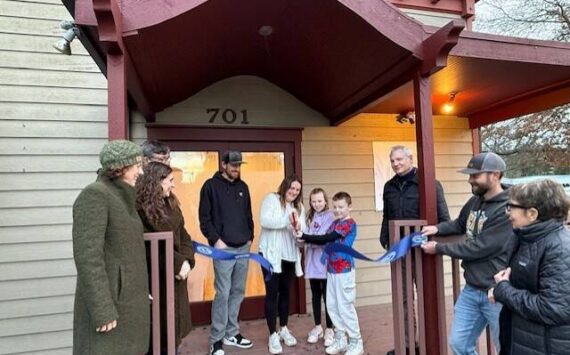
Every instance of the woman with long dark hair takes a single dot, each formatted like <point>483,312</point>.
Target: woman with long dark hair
<point>282,213</point>
<point>534,290</point>
<point>160,211</point>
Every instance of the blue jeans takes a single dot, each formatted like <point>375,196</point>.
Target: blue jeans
<point>473,312</point>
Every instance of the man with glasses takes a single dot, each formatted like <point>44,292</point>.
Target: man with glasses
<point>155,151</point>
<point>487,249</point>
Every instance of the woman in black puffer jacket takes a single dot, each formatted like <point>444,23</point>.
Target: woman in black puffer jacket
<point>535,289</point>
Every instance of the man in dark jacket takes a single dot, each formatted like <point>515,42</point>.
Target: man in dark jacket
<point>401,196</point>
<point>401,201</point>
<point>226,221</point>
<point>489,244</point>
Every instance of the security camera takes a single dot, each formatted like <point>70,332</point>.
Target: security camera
<point>63,45</point>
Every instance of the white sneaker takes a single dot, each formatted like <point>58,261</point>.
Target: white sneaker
<point>315,334</point>
<point>274,344</point>
<point>339,345</point>
<point>329,337</point>
<point>238,341</point>
<point>355,347</point>
<point>287,337</point>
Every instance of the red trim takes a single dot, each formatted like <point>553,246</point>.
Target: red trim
<point>476,140</point>
<point>468,11</point>
<point>434,321</point>
<point>118,116</point>
<point>110,25</point>
<point>462,7</point>
<point>389,80</point>
<point>436,48</point>
<point>209,134</point>
<point>526,103</point>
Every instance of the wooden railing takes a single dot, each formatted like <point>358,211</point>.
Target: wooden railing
<point>398,229</point>
<point>154,239</point>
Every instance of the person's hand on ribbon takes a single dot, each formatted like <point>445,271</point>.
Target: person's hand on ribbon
<point>429,247</point>
<point>429,230</point>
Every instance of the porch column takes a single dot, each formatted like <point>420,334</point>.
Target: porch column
<point>117,109</point>
<point>434,298</point>
<point>110,30</point>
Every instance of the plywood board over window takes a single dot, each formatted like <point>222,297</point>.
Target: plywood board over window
<point>383,168</point>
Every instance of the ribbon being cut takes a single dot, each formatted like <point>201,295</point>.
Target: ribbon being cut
<point>220,254</point>
<point>396,252</point>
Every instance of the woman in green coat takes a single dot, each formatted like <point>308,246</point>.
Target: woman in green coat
<point>112,313</point>
<point>160,211</point>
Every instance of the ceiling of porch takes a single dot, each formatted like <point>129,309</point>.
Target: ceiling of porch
<point>331,55</point>
<point>337,57</point>
<point>494,78</point>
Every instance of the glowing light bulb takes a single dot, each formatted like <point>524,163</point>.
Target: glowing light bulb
<point>447,107</point>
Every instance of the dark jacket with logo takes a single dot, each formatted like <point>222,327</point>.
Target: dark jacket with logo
<point>536,315</point>
<point>490,239</point>
<point>402,201</point>
<point>225,211</point>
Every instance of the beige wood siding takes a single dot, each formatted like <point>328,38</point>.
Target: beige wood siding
<point>341,158</point>
<point>53,122</point>
<point>432,18</point>
<point>335,158</point>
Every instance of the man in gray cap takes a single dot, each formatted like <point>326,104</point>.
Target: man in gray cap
<point>487,249</point>
<point>226,221</point>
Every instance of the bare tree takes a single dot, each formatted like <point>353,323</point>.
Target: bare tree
<point>537,143</point>
<point>540,19</point>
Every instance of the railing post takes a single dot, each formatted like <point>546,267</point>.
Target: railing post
<point>400,281</point>
<point>397,292</point>
<point>154,239</point>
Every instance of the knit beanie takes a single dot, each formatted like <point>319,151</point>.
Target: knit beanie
<point>119,154</point>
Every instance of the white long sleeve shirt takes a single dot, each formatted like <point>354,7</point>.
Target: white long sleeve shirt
<point>277,241</point>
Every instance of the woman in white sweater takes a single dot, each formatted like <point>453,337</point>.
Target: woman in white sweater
<point>281,214</point>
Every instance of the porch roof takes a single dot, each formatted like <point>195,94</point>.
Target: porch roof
<point>495,77</point>
<point>340,57</point>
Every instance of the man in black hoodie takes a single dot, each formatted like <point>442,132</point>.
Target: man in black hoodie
<point>226,221</point>
<point>489,244</point>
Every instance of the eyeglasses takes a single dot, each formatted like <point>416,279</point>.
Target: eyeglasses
<point>509,206</point>
<point>161,158</point>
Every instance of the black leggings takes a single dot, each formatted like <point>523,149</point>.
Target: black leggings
<point>319,289</point>
<point>277,295</point>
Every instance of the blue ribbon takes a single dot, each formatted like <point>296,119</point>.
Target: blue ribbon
<point>219,254</point>
<point>397,251</point>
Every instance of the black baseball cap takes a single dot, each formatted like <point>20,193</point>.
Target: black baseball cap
<point>484,163</point>
<point>232,157</point>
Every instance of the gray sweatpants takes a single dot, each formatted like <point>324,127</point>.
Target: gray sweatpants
<point>229,283</point>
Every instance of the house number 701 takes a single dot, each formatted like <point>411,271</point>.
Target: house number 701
<point>228,115</point>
